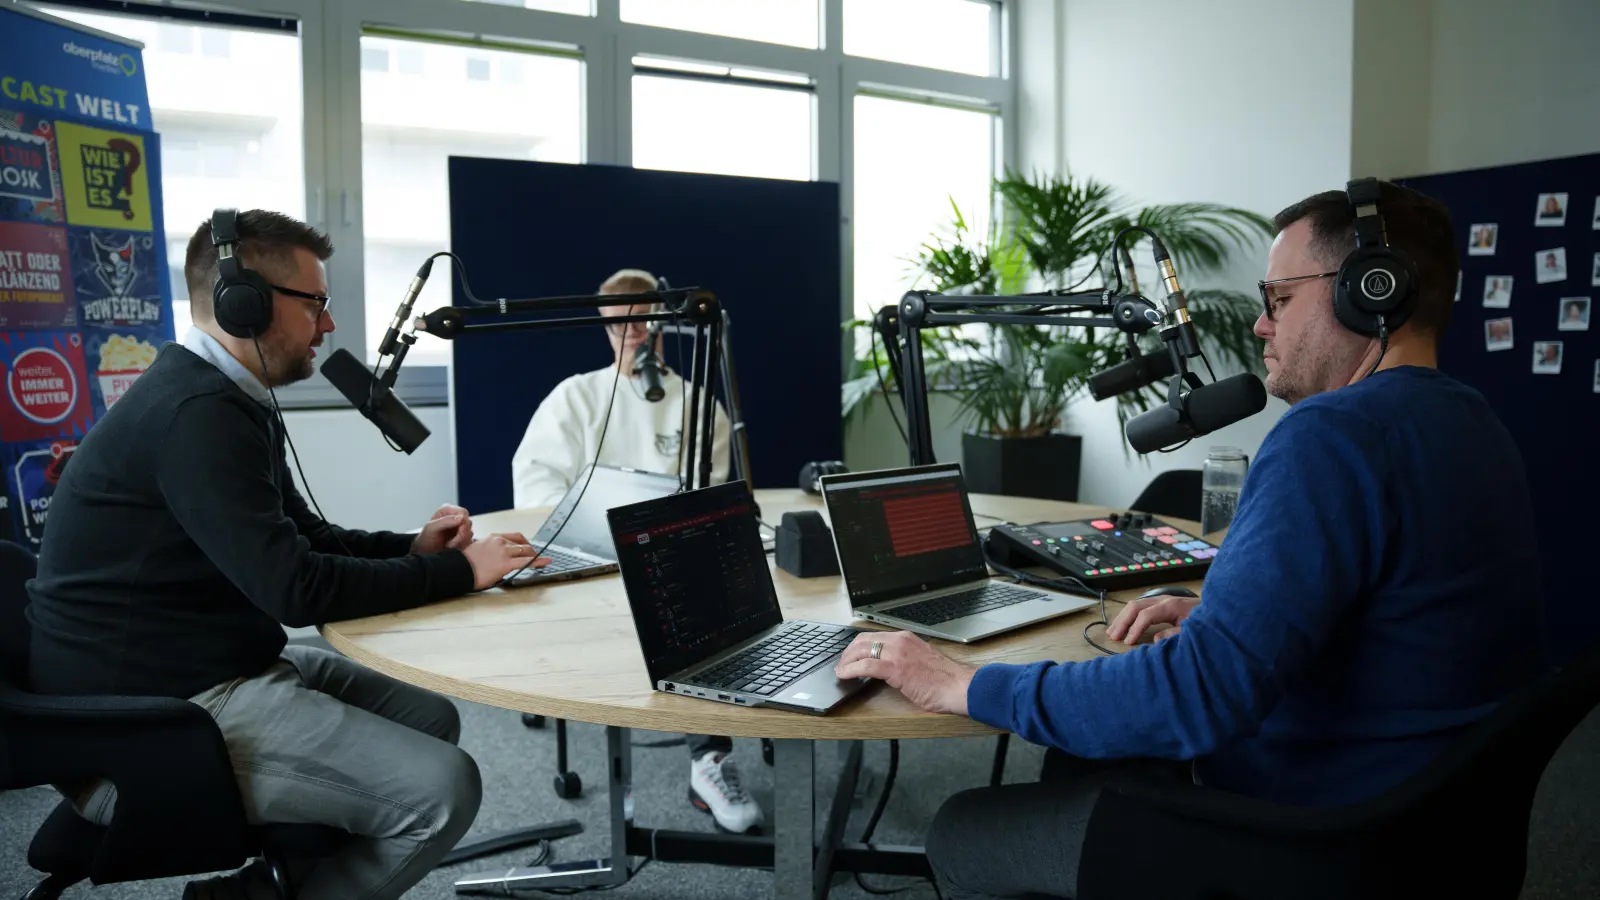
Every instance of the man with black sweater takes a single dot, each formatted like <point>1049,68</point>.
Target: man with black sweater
<point>178,547</point>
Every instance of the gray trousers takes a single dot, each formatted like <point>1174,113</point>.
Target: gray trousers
<point>319,739</point>
<point>1024,840</point>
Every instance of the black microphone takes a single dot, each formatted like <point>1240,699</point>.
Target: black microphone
<point>387,346</point>
<point>375,400</point>
<point>1205,409</point>
<point>1139,372</point>
<point>647,364</point>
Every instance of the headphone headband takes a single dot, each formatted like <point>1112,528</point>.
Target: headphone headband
<point>225,230</point>
<point>1364,193</point>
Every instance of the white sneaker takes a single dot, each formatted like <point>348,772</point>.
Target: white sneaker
<point>714,787</point>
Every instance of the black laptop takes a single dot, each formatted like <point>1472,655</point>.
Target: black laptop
<point>706,611</point>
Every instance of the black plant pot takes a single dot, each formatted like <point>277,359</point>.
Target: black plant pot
<point>1044,467</point>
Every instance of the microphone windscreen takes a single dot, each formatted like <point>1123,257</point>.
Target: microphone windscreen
<point>1222,403</point>
<point>1131,375</point>
<point>353,379</point>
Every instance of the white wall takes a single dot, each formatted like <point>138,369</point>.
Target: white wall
<point>1513,82</point>
<point>361,482</point>
<point>1392,81</point>
<point>1248,103</point>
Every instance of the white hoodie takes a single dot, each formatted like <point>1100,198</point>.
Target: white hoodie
<point>564,431</point>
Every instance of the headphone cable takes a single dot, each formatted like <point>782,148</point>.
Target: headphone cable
<point>284,427</point>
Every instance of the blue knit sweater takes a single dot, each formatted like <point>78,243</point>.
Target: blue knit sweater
<point>1379,590</point>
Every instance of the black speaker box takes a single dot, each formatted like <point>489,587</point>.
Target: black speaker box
<point>805,545</point>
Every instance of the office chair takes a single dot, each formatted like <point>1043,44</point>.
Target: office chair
<point>178,810</point>
<point>1458,828</point>
<point>1174,493</point>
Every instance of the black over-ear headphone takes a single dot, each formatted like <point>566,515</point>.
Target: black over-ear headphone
<point>241,300</point>
<point>1376,288</point>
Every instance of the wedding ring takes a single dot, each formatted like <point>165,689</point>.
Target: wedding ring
<point>877,649</point>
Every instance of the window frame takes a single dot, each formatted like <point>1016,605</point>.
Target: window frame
<point>330,35</point>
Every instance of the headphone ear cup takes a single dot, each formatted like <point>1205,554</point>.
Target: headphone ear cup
<point>241,301</point>
<point>1373,282</point>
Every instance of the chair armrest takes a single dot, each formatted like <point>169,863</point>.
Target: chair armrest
<point>177,811</point>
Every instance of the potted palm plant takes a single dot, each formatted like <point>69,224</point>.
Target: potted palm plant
<point>1014,383</point>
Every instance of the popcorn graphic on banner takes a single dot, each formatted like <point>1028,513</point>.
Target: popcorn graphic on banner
<point>123,358</point>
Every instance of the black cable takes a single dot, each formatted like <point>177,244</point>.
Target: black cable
<point>1383,345</point>
<point>284,426</point>
<point>599,445</point>
<point>1175,449</point>
<point>1207,360</point>
<point>877,814</point>
<point>567,892</point>
<point>884,386</point>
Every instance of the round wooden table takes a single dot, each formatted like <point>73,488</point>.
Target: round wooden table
<point>569,650</point>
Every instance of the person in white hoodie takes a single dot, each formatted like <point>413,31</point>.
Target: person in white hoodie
<point>561,441</point>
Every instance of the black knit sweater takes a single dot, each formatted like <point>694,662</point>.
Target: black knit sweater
<point>177,544</point>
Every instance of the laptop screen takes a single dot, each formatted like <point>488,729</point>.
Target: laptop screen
<point>903,531</point>
<point>585,527</point>
<point>695,574</point>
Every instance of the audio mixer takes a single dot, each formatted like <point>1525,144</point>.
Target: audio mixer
<point>1119,551</point>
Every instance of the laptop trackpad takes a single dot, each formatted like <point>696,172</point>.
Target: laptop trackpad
<point>818,690</point>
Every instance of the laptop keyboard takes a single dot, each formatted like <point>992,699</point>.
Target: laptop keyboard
<point>937,610</point>
<point>775,662</point>
<point>559,562</point>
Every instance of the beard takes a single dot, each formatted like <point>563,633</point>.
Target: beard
<point>1315,367</point>
<point>288,362</point>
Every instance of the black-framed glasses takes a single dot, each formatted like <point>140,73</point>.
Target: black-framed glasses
<point>1266,301</point>
<point>320,299</point>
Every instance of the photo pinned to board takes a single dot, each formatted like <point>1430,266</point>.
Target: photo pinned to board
<point>1550,265</point>
<point>1594,279</point>
<point>1551,211</point>
<point>1574,314</point>
<point>1597,376</point>
<point>1547,357</point>
<point>1596,225</point>
<point>1497,291</point>
<point>1461,274</point>
<point>1497,335</point>
<point>1482,239</point>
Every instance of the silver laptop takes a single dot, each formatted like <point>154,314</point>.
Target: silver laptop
<point>582,539</point>
<point>707,614</point>
<point>911,557</point>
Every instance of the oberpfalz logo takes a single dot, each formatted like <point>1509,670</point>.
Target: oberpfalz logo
<point>104,60</point>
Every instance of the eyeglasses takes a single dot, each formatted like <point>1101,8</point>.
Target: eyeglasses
<point>320,299</point>
<point>1266,302</point>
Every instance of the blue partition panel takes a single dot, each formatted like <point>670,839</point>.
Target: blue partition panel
<point>1555,417</point>
<point>769,249</point>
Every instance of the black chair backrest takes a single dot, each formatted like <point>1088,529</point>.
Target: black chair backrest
<point>17,565</point>
<point>1174,493</point>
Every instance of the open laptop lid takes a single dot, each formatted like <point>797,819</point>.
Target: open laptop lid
<point>695,573</point>
<point>586,528</point>
<point>903,531</point>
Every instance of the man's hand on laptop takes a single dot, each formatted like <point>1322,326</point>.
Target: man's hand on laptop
<point>449,529</point>
<point>928,678</point>
<point>499,555</point>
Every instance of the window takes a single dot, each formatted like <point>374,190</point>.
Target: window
<point>219,152</point>
<point>793,22</point>
<point>738,127</point>
<point>940,34</point>
<point>573,7</point>
<point>405,145</point>
<point>903,191</point>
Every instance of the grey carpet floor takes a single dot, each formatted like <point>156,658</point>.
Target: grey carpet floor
<point>518,764</point>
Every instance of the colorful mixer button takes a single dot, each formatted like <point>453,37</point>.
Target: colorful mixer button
<point>1188,559</point>
<point>1103,525</point>
<point>1153,532</point>
<point>1166,529</point>
<point>1168,539</point>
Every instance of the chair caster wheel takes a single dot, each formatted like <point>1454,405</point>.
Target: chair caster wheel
<point>529,720</point>
<point>568,785</point>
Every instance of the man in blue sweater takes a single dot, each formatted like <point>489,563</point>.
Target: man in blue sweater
<point>1353,626</point>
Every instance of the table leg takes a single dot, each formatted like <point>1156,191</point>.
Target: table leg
<point>609,870</point>
<point>794,815</point>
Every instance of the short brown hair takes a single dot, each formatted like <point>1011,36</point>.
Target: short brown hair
<point>266,244</point>
<point>1416,225</point>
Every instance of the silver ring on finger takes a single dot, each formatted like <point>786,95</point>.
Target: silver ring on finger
<point>877,649</point>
